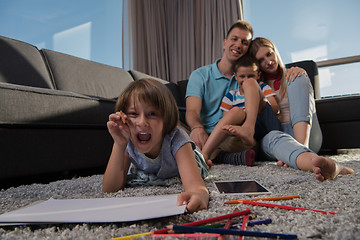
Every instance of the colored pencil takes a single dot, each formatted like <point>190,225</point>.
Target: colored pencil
<point>209,220</point>
<point>252,223</point>
<point>122,117</point>
<point>244,225</point>
<point>130,237</point>
<point>263,199</point>
<point>185,235</point>
<point>219,225</point>
<point>228,223</point>
<point>285,207</point>
<point>232,232</point>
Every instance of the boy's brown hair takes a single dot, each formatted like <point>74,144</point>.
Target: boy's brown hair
<point>150,91</point>
<point>247,61</point>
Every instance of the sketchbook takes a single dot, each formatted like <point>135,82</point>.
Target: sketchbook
<point>95,210</point>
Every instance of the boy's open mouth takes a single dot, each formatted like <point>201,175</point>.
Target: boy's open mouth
<point>144,137</point>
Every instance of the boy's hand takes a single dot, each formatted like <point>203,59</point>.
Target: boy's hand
<point>118,128</point>
<point>194,201</point>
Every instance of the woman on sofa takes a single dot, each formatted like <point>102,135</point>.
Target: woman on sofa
<point>297,108</point>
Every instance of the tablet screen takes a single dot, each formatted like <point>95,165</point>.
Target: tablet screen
<point>241,187</point>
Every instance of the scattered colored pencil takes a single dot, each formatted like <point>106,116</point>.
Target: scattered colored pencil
<point>185,235</point>
<point>219,225</point>
<point>209,220</point>
<point>252,223</point>
<point>244,225</point>
<point>130,237</point>
<point>228,223</point>
<point>263,199</point>
<point>285,207</point>
<point>232,232</point>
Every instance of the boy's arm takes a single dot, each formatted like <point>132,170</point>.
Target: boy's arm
<point>196,195</point>
<point>274,105</point>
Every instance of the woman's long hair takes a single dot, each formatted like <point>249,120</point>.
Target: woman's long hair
<point>263,42</point>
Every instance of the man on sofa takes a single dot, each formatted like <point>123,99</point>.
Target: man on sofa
<point>207,86</point>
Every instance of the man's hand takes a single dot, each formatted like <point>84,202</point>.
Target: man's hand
<point>199,136</point>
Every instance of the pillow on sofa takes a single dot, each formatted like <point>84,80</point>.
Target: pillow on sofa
<point>87,77</point>
<point>22,64</point>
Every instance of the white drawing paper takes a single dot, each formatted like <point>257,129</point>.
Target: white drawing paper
<point>95,210</point>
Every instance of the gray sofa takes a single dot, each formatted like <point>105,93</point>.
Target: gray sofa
<point>53,111</point>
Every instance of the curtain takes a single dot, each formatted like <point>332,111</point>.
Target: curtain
<point>171,38</point>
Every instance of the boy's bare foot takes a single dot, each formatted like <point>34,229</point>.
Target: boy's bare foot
<point>209,163</point>
<point>246,134</point>
<point>281,164</point>
<point>328,169</point>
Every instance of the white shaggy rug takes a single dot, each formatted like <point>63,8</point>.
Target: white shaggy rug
<point>341,196</point>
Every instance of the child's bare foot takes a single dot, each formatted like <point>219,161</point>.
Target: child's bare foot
<point>281,164</point>
<point>209,163</point>
<point>246,134</point>
<point>328,169</point>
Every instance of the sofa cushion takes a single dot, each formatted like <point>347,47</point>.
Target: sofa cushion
<point>138,75</point>
<point>87,77</point>
<point>22,64</point>
<point>174,88</point>
<point>23,105</point>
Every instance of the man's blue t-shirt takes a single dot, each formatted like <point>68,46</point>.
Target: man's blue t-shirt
<point>210,85</point>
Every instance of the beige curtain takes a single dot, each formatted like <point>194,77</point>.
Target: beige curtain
<point>171,38</point>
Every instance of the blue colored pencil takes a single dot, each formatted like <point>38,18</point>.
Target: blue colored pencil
<point>232,232</point>
<point>253,223</point>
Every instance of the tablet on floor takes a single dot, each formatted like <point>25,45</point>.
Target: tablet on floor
<point>245,187</point>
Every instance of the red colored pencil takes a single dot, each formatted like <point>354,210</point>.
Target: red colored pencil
<point>244,225</point>
<point>209,220</point>
<point>285,207</point>
<point>228,223</point>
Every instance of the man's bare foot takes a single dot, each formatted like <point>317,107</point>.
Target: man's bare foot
<point>246,134</point>
<point>281,164</point>
<point>328,169</point>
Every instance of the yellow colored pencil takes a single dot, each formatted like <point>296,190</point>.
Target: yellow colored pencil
<point>263,199</point>
<point>132,236</point>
